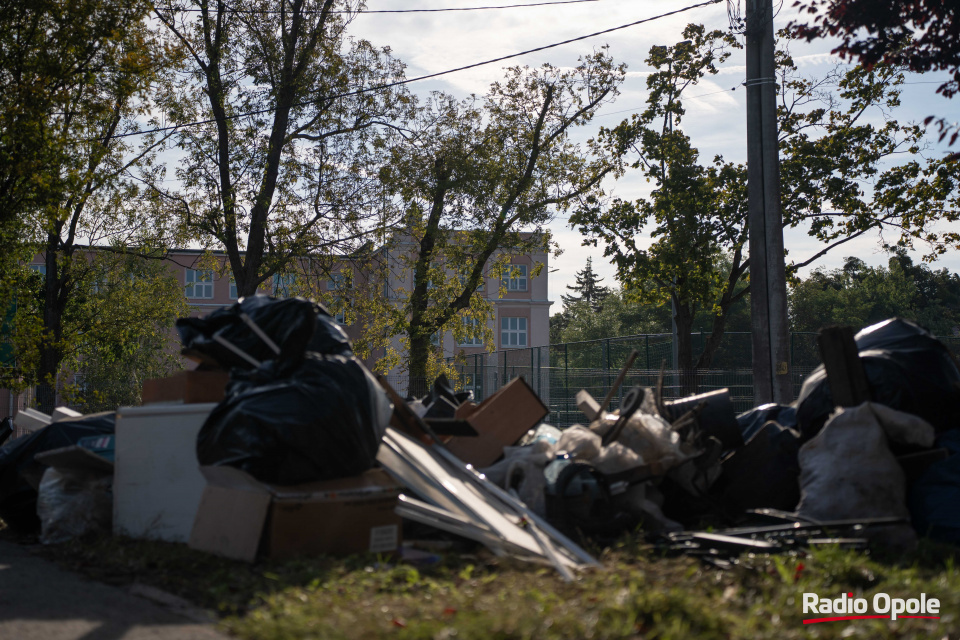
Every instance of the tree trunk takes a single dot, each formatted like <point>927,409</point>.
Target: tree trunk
<point>727,300</point>
<point>688,374</point>
<point>51,351</point>
<point>419,355</point>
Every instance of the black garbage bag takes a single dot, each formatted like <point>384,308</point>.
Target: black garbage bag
<point>20,474</point>
<point>907,369</point>
<point>934,499</point>
<point>753,420</point>
<point>764,473</point>
<point>288,422</point>
<point>294,325</point>
<point>6,429</point>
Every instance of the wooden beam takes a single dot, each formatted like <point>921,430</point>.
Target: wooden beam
<point>847,379</point>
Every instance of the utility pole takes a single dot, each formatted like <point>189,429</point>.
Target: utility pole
<point>768,286</point>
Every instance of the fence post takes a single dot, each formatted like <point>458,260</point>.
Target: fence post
<point>503,380</point>
<point>531,371</point>
<point>477,385</point>
<point>566,379</point>
<point>607,368</point>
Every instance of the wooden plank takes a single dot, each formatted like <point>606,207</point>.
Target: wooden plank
<point>588,405</point>
<point>847,379</point>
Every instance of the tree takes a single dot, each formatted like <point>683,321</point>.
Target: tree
<point>920,35</point>
<point>49,52</point>
<point>114,332</point>
<point>478,180</point>
<point>281,163</point>
<point>622,315</point>
<point>859,295</point>
<point>693,212</point>
<point>124,331</point>
<point>587,288</point>
<point>833,183</point>
<point>86,190</point>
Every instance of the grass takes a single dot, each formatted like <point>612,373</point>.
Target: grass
<point>638,594</point>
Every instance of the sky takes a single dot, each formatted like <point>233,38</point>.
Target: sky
<point>716,115</point>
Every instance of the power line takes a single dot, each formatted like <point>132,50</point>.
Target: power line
<point>506,6</point>
<point>699,95</point>
<point>398,83</point>
<point>713,93</point>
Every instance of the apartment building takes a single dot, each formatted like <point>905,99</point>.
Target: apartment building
<point>520,318</point>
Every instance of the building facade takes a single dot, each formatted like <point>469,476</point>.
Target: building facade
<point>521,317</point>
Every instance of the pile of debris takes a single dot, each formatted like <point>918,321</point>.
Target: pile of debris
<point>281,443</point>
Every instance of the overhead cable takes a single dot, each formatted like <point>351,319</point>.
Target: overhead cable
<point>505,6</point>
<point>428,76</point>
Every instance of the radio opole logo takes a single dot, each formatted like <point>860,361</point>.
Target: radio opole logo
<point>882,606</point>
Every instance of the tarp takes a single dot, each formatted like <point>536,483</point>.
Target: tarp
<point>907,369</point>
<point>20,473</point>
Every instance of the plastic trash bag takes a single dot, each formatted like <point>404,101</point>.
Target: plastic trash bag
<point>294,325</point>
<point>935,497</point>
<point>72,503</point>
<point>765,472</point>
<point>907,369</point>
<point>290,422</point>
<point>6,429</point>
<point>753,420</point>
<point>20,474</point>
<point>579,442</point>
<point>650,437</point>
<point>848,471</point>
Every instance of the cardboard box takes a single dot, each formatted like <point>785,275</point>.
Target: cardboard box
<point>186,387</point>
<point>242,518</point>
<point>501,420</point>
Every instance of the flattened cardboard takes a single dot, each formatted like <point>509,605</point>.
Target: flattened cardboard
<point>242,518</point>
<point>186,387</point>
<point>501,420</point>
<point>230,522</point>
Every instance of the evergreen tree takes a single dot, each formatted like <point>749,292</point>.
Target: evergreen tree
<point>588,289</point>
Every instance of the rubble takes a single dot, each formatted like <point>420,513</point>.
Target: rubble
<point>304,451</point>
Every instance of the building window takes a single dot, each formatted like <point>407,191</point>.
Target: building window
<point>513,332</point>
<point>472,333</point>
<point>515,277</point>
<point>199,283</point>
<point>39,268</point>
<point>233,288</point>
<point>340,317</point>
<point>339,281</point>
<point>283,285</point>
<point>435,339</point>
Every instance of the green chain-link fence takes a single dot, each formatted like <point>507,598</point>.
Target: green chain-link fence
<point>557,372</point>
